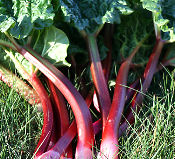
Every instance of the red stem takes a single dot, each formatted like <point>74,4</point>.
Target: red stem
<point>65,140</point>
<point>109,145</point>
<point>77,103</point>
<point>147,78</point>
<point>69,135</point>
<point>48,115</point>
<point>56,133</point>
<point>62,113</point>
<point>106,64</point>
<point>98,78</point>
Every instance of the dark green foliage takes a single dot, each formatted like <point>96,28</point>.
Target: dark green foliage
<point>164,16</point>
<point>22,16</point>
<point>89,15</point>
<point>135,28</point>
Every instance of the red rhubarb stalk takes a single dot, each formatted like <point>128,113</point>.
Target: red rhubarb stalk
<point>65,140</point>
<point>106,63</point>
<point>48,115</point>
<point>56,134</point>
<point>46,104</point>
<point>109,145</point>
<point>76,101</point>
<point>69,135</point>
<point>62,113</point>
<point>98,78</point>
<point>147,78</point>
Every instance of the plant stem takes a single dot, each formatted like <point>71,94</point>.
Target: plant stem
<point>106,63</point>
<point>46,104</point>
<point>147,78</point>
<point>60,110</point>
<point>70,134</point>
<point>98,78</point>
<point>48,115</point>
<point>78,105</point>
<point>109,146</point>
<point>7,44</point>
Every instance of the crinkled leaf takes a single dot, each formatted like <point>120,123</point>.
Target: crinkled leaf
<point>151,5</point>
<point>164,16</point>
<point>6,21</point>
<point>88,15</point>
<point>40,12</point>
<point>133,29</point>
<point>22,16</point>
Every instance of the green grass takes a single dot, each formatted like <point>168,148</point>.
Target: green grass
<point>152,136</point>
<point>20,125</point>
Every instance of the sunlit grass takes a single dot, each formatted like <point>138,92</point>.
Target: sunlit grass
<point>20,125</point>
<point>152,135</point>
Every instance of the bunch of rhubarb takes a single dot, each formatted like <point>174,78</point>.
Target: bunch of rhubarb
<point>63,39</point>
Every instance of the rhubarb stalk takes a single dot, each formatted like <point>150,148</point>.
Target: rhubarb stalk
<point>48,115</point>
<point>98,78</point>
<point>78,104</point>
<point>106,63</point>
<point>109,145</point>
<point>62,113</point>
<point>147,78</point>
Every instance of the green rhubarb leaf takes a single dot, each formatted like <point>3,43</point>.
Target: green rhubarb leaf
<point>40,12</point>
<point>19,17</point>
<point>55,46</point>
<point>170,54</point>
<point>6,61</point>
<point>52,45</point>
<point>164,16</point>
<point>89,15</point>
<point>151,5</point>
<point>25,63</point>
<point>6,21</point>
<point>133,29</point>
<point>4,57</point>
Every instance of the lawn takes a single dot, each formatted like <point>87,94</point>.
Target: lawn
<point>152,135</point>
